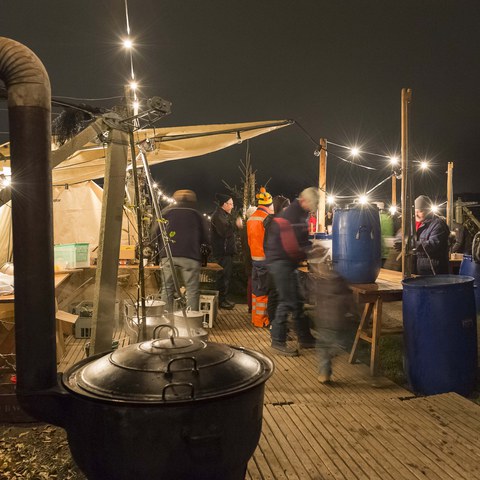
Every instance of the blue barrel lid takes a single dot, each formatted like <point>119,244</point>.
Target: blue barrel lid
<point>358,206</point>
<point>436,280</point>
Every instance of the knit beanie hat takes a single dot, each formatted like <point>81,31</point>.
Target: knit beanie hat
<point>264,198</point>
<point>222,198</point>
<point>423,203</point>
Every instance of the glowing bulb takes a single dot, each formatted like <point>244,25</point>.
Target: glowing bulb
<point>424,165</point>
<point>6,182</point>
<point>434,208</point>
<point>363,199</point>
<point>127,43</point>
<point>393,209</point>
<point>204,214</point>
<point>330,199</point>
<point>133,85</point>
<point>136,105</point>
<point>394,160</point>
<point>209,217</point>
<point>354,151</point>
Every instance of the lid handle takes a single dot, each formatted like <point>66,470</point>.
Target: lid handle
<point>159,328</point>
<point>177,384</point>
<point>169,372</point>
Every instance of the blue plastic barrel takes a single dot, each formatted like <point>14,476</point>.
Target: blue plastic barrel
<point>440,334</point>
<point>472,269</point>
<point>356,243</point>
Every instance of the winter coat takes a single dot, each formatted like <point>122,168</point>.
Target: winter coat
<point>223,233</point>
<point>256,228</point>
<point>186,229</point>
<point>431,242</point>
<point>288,235</point>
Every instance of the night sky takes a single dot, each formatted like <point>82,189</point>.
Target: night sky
<point>335,67</point>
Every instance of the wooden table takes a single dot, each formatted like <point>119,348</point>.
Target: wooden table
<point>387,288</point>
<point>7,318</point>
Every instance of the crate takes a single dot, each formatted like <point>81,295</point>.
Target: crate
<point>208,304</point>
<point>84,310</point>
<point>83,324</point>
<point>83,327</point>
<point>72,255</point>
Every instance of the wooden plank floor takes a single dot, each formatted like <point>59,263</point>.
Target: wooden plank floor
<point>355,428</point>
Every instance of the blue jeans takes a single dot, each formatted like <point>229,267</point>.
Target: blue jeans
<point>190,272</point>
<point>285,277</point>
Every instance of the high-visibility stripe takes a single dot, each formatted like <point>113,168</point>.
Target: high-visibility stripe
<point>259,311</point>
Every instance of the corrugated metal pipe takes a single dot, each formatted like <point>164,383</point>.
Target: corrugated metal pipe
<point>29,112</point>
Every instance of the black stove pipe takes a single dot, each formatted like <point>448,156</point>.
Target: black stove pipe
<point>29,114</point>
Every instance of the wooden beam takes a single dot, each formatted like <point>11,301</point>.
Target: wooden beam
<point>322,185</point>
<point>109,243</point>
<point>407,194</point>
<point>450,195</point>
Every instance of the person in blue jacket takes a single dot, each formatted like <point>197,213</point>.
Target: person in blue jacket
<point>431,239</point>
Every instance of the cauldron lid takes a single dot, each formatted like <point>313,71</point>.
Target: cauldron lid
<point>169,370</point>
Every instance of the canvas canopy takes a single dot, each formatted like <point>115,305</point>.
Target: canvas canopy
<point>84,157</point>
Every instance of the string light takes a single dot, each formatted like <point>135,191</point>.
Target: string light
<point>127,43</point>
<point>424,165</point>
<point>354,152</point>
<point>363,199</point>
<point>393,209</point>
<point>434,208</point>
<point>394,161</point>
<point>331,199</point>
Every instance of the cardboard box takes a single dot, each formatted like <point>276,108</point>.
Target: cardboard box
<point>127,252</point>
<point>66,321</point>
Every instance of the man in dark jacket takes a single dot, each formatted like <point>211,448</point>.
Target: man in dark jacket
<point>187,230</point>
<point>287,245</point>
<point>431,239</point>
<point>223,244</point>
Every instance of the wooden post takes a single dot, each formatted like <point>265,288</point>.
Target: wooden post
<point>109,243</point>
<point>450,195</point>
<point>394,190</point>
<point>322,185</point>
<point>407,194</point>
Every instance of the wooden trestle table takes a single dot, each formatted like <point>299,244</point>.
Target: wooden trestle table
<point>387,288</point>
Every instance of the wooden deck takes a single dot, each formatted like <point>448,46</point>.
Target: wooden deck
<point>356,428</point>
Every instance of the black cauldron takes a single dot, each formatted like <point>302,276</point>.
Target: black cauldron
<point>177,408</point>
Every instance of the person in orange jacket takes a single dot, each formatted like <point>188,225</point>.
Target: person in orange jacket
<point>256,227</point>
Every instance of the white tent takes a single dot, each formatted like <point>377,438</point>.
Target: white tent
<point>76,218</point>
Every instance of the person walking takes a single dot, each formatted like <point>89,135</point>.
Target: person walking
<point>223,244</point>
<point>256,227</point>
<point>333,302</point>
<point>187,230</point>
<point>280,203</point>
<point>431,239</point>
<point>287,245</point>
